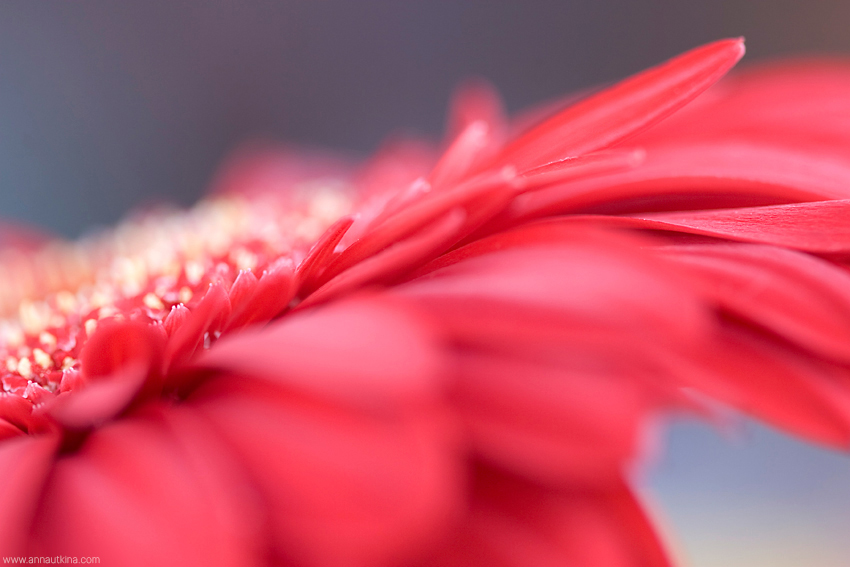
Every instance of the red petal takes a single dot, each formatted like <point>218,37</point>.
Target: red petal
<point>801,298</point>
<point>468,150</point>
<point>554,423</point>
<point>583,281</point>
<point>120,363</point>
<point>775,382</point>
<point>320,253</point>
<point>117,346</point>
<point>796,104</point>
<point>16,410</point>
<point>369,353</point>
<point>588,165</point>
<point>516,524</point>
<point>342,487</point>
<point>696,176</point>
<point>470,195</point>
<point>24,466</point>
<point>8,431</point>
<point>274,290</point>
<point>215,306</point>
<point>98,401</point>
<point>629,106</point>
<point>395,261</point>
<point>821,226</point>
<point>156,491</point>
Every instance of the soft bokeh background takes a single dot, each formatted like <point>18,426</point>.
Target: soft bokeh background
<point>105,104</point>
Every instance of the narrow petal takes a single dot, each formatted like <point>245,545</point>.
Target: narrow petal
<point>429,207</point>
<point>476,101</point>
<point>775,382</point>
<point>820,227</point>
<point>461,157</point>
<point>698,176</point>
<point>804,299</point>
<point>631,105</point>
<point>321,252</point>
<point>393,262</point>
<point>799,103</point>
<point>272,294</point>
<point>215,306</point>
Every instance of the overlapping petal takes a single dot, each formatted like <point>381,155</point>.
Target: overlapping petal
<point>460,370</point>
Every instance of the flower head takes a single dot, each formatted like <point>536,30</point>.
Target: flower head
<point>448,361</point>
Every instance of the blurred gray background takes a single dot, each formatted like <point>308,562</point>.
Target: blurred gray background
<point>105,104</point>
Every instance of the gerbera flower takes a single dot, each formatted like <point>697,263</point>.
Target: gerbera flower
<point>435,362</point>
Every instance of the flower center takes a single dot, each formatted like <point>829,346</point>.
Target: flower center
<point>52,301</point>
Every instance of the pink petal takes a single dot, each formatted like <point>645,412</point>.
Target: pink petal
<point>152,491</point>
<point>476,101</point>
<point>257,168</point>
<point>631,105</point>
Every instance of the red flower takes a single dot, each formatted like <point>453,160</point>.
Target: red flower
<point>459,369</point>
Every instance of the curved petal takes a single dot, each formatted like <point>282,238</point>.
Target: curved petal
<point>793,103</point>
<point>121,363</point>
<point>473,194</point>
<point>775,382</point>
<point>513,523</point>
<point>156,490</point>
<point>24,466</point>
<point>820,227</point>
<point>342,487</point>
<point>804,299</point>
<point>394,261</point>
<point>554,423</point>
<point>581,281</point>
<point>698,176</point>
<point>633,104</point>
<point>557,363</point>
<point>368,353</point>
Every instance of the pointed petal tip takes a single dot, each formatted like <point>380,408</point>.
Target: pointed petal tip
<point>739,43</point>
<point>730,49</point>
